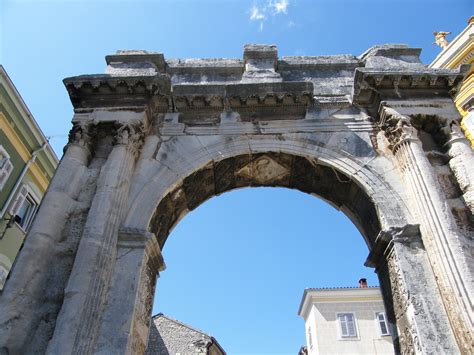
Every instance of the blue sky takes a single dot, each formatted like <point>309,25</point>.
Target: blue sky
<point>237,265</point>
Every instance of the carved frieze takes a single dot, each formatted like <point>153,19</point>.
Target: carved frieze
<point>241,95</point>
<point>386,255</point>
<point>263,170</point>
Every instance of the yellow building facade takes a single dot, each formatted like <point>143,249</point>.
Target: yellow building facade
<point>460,51</point>
<point>27,164</point>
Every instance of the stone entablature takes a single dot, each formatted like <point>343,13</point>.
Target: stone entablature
<point>376,136</point>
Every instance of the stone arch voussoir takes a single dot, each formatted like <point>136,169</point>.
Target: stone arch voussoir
<point>174,165</point>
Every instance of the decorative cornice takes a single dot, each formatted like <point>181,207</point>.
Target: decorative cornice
<point>370,83</point>
<point>208,96</point>
<point>108,91</point>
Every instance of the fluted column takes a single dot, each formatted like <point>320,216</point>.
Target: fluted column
<point>440,234</point>
<point>412,300</point>
<point>126,319</point>
<point>461,161</point>
<point>79,320</point>
<point>23,301</point>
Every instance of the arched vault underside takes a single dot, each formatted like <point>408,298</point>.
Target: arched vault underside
<point>377,136</point>
<point>263,160</point>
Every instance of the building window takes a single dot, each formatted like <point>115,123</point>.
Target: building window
<point>25,207</point>
<point>347,325</point>
<point>6,167</point>
<point>382,322</point>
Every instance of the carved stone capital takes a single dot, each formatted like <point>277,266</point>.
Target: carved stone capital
<point>453,133</point>
<point>132,135</point>
<point>133,238</point>
<point>397,127</point>
<point>81,134</point>
<point>408,234</point>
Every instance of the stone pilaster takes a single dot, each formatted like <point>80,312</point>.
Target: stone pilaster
<point>79,320</point>
<point>126,320</point>
<point>412,299</point>
<point>440,234</point>
<point>24,303</point>
<point>461,161</point>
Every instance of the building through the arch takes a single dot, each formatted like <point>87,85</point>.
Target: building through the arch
<point>170,336</point>
<point>377,136</point>
<point>346,320</point>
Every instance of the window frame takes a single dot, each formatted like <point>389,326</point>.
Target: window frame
<point>381,334</point>
<point>25,194</point>
<point>5,164</point>
<point>339,327</point>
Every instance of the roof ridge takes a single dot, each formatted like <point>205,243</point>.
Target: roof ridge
<point>339,288</point>
<point>182,323</point>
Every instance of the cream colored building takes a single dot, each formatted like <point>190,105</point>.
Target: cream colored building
<point>345,321</point>
<point>460,51</point>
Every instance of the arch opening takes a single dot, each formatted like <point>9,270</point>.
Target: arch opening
<point>267,170</point>
<point>263,257</point>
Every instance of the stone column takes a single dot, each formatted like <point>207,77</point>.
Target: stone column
<point>440,234</point>
<point>30,296</point>
<point>79,319</point>
<point>461,162</point>
<point>126,319</point>
<point>412,300</point>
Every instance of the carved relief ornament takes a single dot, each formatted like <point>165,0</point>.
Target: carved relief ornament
<point>397,127</point>
<point>452,132</point>
<point>132,135</point>
<point>81,134</point>
<point>403,301</point>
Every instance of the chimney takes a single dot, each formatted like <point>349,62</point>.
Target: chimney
<point>363,283</point>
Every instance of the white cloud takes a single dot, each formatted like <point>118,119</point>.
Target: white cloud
<point>280,6</point>
<point>257,14</point>
<point>270,8</point>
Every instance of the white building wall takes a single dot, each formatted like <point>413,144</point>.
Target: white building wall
<point>310,328</point>
<point>320,311</point>
<point>368,341</point>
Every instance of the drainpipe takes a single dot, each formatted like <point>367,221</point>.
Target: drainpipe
<point>20,178</point>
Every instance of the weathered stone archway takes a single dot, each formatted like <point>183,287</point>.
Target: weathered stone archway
<point>376,136</point>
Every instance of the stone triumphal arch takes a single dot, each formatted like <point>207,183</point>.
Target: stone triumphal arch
<point>376,136</point>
